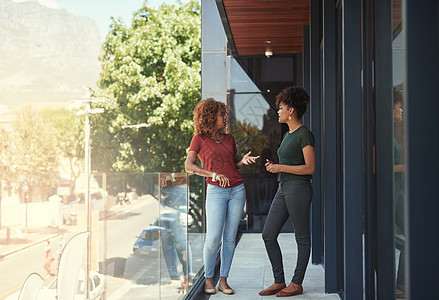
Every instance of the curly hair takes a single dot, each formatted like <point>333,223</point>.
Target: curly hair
<point>397,97</point>
<point>205,116</point>
<point>294,97</point>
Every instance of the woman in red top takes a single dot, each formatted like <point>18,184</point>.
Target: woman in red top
<point>225,191</point>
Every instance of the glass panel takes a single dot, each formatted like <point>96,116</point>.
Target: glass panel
<point>239,79</point>
<point>253,110</point>
<point>254,125</point>
<point>43,182</point>
<point>214,73</point>
<point>172,225</point>
<point>196,224</point>
<point>277,70</point>
<point>399,148</point>
<point>217,96</point>
<point>147,235</point>
<point>212,28</point>
<point>151,243</point>
<point>129,243</point>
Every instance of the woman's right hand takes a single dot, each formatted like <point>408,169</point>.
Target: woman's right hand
<point>268,162</point>
<point>272,167</point>
<point>223,180</point>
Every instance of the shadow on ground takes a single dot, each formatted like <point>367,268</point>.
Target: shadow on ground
<point>140,268</point>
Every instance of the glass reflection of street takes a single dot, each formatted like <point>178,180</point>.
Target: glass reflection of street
<point>128,275</point>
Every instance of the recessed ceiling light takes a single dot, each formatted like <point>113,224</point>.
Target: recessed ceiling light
<point>268,42</point>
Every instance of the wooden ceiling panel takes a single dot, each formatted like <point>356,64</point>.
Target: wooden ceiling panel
<point>265,32</point>
<point>256,11</point>
<point>263,16</point>
<point>248,49</point>
<point>396,14</point>
<point>254,22</point>
<point>276,25</point>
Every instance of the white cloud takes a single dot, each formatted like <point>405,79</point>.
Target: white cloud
<point>46,3</point>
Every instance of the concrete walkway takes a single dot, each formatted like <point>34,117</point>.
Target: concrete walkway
<point>251,271</point>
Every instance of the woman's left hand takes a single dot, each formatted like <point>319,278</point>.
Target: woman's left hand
<point>164,178</point>
<point>273,168</point>
<point>247,159</point>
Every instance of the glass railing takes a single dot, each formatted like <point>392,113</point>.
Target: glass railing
<point>146,239</point>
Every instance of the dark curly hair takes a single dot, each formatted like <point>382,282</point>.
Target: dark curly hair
<point>397,97</point>
<point>294,97</point>
<point>205,116</point>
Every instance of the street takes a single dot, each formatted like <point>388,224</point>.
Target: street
<point>123,269</point>
<point>135,276</point>
<point>126,274</point>
<point>15,268</point>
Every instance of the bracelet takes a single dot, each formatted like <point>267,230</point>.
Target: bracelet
<point>214,176</point>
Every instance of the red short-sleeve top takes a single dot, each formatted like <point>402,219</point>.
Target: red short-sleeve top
<point>217,157</point>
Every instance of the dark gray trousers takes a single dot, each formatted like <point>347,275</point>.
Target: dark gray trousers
<point>293,199</point>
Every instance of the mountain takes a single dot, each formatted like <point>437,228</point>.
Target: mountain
<point>46,54</point>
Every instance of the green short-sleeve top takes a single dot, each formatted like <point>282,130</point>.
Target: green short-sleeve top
<point>290,152</point>
<point>399,179</point>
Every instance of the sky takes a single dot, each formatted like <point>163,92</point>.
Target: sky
<point>102,10</point>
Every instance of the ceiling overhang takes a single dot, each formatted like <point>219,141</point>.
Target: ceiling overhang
<point>254,27</point>
<point>396,16</point>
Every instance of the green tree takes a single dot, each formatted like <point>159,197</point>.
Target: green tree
<point>8,176</point>
<point>151,74</point>
<point>68,131</point>
<point>248,138</point>
<point>8,163</point>
<point>35,157</point>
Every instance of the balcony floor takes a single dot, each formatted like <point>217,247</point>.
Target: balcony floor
<point>251,270</point>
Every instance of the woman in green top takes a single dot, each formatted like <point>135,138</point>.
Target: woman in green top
<point>399,168</point>
<point>294,194</point>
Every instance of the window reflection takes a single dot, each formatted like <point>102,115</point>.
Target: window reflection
<point>255,128</point>
<point>398,198</point>
<point>398,149</point>
<point>172,224</point>
<point>153,245</point>
<point>253,123</point>
<point>147,233</point>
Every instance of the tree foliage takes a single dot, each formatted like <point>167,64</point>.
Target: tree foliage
<point>8,163</point>
<point>68,130</point>
<point>35,153</point>
<point>248,138</point>
<point>151,74</point>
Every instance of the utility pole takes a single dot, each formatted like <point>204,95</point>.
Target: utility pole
<point>87,99</point>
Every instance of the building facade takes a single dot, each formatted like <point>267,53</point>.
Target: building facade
<point>372,70</point>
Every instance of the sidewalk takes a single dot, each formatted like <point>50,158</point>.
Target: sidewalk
<point>20,240</point>
<point>251,271</point>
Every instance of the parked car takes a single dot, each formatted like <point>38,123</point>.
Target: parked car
<point>96,288</point>
<point>148,241</point>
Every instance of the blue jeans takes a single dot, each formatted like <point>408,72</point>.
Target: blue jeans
<point>224,208</point>
<point>174,235</point>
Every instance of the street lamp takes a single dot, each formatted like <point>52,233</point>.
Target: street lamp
<point>87,99</point>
